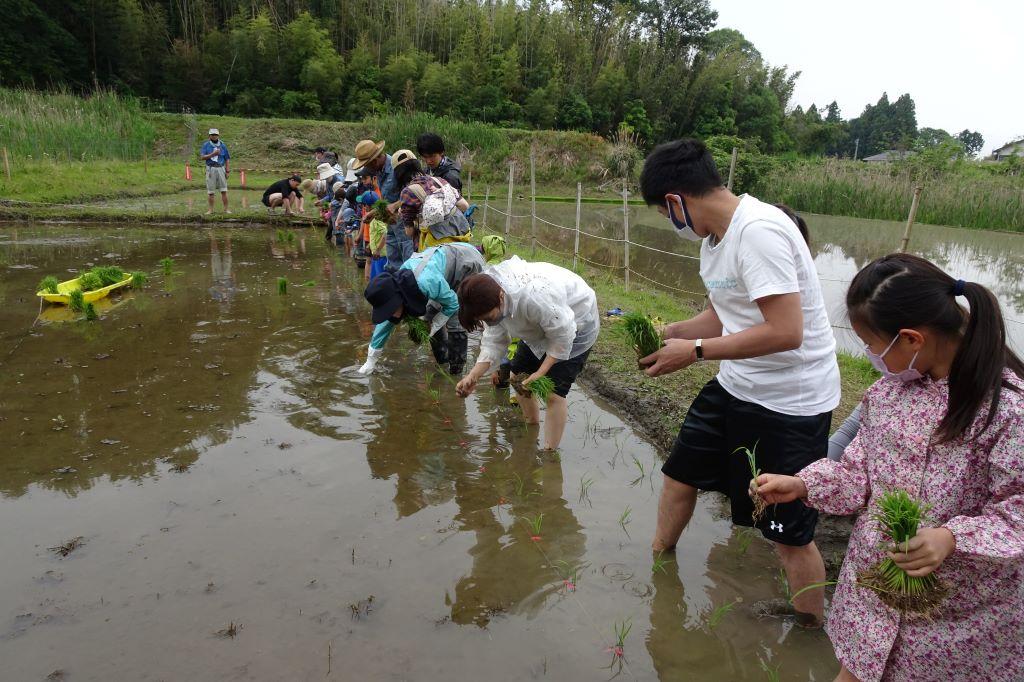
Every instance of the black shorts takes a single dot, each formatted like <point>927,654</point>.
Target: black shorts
<point>704,456</point>
<point>563,372</point>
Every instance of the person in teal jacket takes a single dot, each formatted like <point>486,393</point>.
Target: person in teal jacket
<point>424,286</point>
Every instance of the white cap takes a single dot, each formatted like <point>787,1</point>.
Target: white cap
<point>214,131</point>
<point>350,175</point>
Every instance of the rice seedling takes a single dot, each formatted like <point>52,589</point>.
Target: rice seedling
<point>718,613</point>
<point>307,283</point>
<point>585,484</point>
<point>520,487</point>
<point>282,285</point>
<point>90,281</point>
<point>641,333</point>
<point>290,237</point>
<point>640,468</point>
<point>535,525</point>
<point>899,515</point>
<point>772,674</point>
<point>77,301</point>
<point>90,312</point>
<point>167,264</point>
<point>542,387</point>
<point>139,279</point>
<point>625,519</point>
<point>759,504</point>
<point>418,330</point>
<point>622,630</point>
<point>48,284</point>
<point>68,547</point>
<point>570,574</point>
<point>280,237</point>
<point>745,537</point>
<point>659,564</point>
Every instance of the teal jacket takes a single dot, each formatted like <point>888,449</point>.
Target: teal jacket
<point>434,286</point>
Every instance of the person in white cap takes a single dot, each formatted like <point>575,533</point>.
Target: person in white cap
<point>215,154</point>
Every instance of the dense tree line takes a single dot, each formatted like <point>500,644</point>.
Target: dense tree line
<point>657,66</point>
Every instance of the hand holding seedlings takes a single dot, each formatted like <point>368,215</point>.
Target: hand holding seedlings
<point>675,355</point>
<point>776,488</point>
<point>925,552</point>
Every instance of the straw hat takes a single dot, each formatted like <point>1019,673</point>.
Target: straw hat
<point>402,156</point>
<point>366,151</point>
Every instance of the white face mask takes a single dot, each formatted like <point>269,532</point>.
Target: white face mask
<point>684,230</point>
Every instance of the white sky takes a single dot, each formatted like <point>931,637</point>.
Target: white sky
<point>961,62</point>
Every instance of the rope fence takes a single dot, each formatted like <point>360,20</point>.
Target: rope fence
<point>625,268</point>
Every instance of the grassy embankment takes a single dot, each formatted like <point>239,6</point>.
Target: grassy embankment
<point>65,149</point>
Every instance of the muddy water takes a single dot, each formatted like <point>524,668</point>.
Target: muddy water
<point>228,473</point>
<point>841,246</point>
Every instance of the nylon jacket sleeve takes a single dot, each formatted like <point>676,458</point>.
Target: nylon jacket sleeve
<point>493,344</point>
<point>436,288</point>
<point>381,334</point>
<point>997,534</point>
<point>839,488</point>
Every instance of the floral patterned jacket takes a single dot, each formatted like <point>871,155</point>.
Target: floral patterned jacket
<point>976,490</point>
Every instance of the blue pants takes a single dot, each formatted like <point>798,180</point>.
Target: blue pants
<point>399,246</point>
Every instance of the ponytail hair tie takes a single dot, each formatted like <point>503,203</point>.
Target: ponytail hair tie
<point>958,288</point>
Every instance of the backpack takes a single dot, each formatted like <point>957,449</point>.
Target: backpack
<point>437,206</point>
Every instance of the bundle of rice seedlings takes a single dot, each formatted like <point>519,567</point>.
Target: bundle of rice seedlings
<point>139,278</point>
<point>419,331</point>
<point>899,515</point>
<point>542,387</point>
<point>48,284</point>
<point>109,274</point>
<point>167,264</point>
<point>380,211</point>
<point>282,285</point>
<point>641,333</point>
<point>90,311</point>
<point>759,504</point>
<point>77,302</point>
<point>90,281</point>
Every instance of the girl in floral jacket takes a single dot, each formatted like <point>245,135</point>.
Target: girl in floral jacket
<point>946,424</point>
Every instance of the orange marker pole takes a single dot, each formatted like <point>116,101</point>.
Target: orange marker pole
<point>242,174</point>
<point>188,171</point>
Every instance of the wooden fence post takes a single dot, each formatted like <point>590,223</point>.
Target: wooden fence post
<point>508,217</point>
<point>7,164</point>
<point>625,227</point>
<point>145,159</point>
<point>487,196</point>
<point>579,204</point>
<point>732,168</point>
<point>533,205</point>
<point>910,219</point>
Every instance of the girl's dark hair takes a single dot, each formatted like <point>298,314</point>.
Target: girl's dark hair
<point>478,294</point>
<point>800,224</point>
<point>901,291</point>
<point>429,143</point>
<point>680,167</point>
<point>406,172</point>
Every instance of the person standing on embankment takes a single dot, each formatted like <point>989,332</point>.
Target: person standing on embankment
<point>215,153</point>
<point>778,381</point>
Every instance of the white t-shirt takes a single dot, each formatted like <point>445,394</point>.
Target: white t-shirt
<point>764,254</point>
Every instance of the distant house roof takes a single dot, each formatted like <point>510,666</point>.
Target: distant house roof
<point>889,155</point>
<point>1010,148</point>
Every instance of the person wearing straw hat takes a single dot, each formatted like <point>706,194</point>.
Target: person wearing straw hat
<point>215,153</point>
<point>373,162</point>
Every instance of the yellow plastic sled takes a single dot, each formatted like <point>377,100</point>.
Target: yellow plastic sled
<point>64,290</point>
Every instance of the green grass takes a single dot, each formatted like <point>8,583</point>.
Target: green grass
<point>59,126</point>
<point>965,198</point>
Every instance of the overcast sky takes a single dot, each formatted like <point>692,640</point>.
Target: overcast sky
<point>961,62</point>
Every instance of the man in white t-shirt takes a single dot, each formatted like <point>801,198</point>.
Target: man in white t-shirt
<point>778,381</point>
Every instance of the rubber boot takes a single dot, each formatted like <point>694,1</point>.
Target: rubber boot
<point>458,347</point>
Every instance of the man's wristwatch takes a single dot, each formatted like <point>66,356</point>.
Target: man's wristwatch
<point>699,349</point>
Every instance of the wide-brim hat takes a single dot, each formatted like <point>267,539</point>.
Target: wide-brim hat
<point>389,290</point>
<point>350,172</point>
<point>366,151</point>
<point>324,171</point>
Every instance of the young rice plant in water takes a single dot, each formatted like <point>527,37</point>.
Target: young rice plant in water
<point>282,285</point>
<point>899,515</point>
<point>139,279</point>
<point>90,311</point>
<point>77,301</point>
